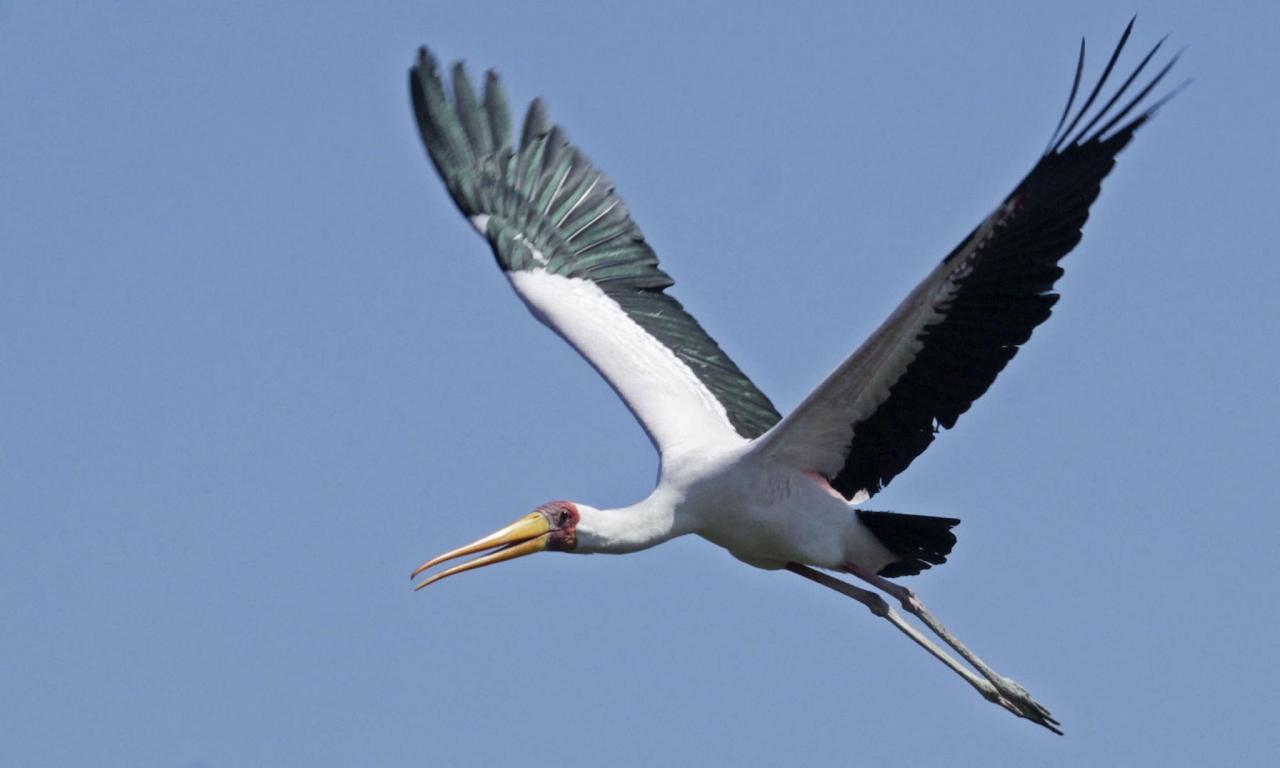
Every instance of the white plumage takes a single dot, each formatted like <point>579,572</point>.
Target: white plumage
<point>677,410</point>
<point>775,492</point>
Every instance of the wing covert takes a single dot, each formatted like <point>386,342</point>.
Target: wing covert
<point>567,242</point>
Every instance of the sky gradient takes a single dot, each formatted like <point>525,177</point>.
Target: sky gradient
<point>257,368</point>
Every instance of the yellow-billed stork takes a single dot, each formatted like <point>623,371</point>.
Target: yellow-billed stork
<point>777,493</point>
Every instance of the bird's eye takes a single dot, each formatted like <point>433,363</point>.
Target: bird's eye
<point>563,518</point>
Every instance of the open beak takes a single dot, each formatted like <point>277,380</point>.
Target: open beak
<point>525,536</point>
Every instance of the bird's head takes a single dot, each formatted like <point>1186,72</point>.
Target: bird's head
<point>552,526</point>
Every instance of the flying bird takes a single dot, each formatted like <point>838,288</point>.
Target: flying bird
<point>776,492</point>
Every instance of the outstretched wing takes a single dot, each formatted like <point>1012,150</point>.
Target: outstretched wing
<point>565,240</point>
<point>944,345</point>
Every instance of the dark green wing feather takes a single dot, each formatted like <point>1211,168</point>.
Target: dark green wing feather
<point>545,208</point>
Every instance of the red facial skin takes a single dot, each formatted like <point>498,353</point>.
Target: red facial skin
<point>563,517</point>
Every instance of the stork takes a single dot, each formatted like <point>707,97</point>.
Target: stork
<point>777,493</point>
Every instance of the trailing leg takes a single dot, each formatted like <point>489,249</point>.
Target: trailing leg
<point>876,604</point>
<point>1009,688</point>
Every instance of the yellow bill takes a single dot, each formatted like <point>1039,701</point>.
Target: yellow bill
<point>525,536</point>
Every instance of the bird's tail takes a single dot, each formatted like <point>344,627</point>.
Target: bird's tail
<point>919,541</point>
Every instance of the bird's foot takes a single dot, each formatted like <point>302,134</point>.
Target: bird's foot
<point>1013,697</point>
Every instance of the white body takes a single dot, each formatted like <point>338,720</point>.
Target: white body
<point>743,495</point>
<point>764,515</point>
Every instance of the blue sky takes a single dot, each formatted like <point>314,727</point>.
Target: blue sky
<point>257,368</point>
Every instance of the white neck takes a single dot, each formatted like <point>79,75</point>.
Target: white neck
<point>629,529</point>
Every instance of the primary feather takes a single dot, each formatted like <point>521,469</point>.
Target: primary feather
<point>545,209</point>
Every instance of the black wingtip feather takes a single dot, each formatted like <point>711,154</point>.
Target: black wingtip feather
<point>1120,91</point>
<point>1063,139</point>
<point>1002,278</point>
<point>1106,72</point>
<point>1071,99</point>
<point>1104,133</point>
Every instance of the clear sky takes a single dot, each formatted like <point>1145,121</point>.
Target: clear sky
<point>256,368</point>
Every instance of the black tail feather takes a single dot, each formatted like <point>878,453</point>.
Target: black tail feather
<point>919,541</point>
